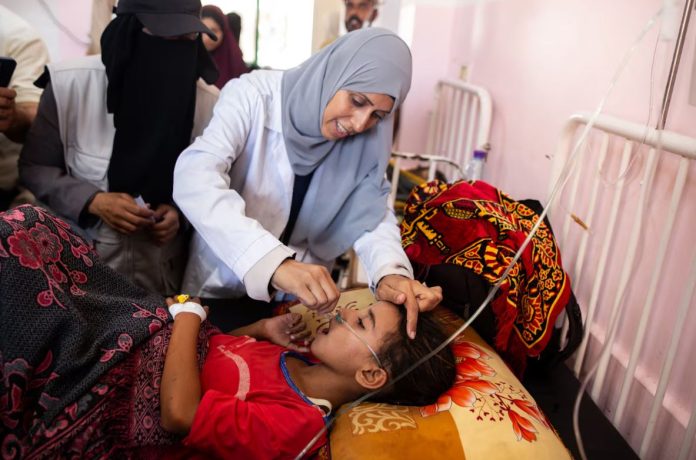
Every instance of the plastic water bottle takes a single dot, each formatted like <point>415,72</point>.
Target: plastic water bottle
<point>474,168</point>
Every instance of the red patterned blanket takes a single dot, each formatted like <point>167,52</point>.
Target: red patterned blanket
<point>479,228</point>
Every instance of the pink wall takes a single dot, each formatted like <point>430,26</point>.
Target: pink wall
<point>431,56</point>
<point>439,36</point>
<point>541,60</point>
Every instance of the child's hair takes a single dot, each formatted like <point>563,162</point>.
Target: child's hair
<point>424,384</point>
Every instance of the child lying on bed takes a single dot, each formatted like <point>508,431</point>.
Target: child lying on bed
<point>89,361</point>
<point>256,399</point>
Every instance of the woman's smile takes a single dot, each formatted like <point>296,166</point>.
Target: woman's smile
<point>341,132</point>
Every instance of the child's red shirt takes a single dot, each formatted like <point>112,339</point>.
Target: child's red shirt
<point>250,407</point>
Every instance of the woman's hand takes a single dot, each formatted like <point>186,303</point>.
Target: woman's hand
<point>310,283</point>
<point>288,330</point>
<point>413,295</point>
<point>167,224</point>
<point>120,212</point>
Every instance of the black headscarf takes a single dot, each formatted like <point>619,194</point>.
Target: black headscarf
<point>152,94</point>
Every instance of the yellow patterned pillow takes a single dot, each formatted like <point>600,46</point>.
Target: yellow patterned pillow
<point>487,414</point>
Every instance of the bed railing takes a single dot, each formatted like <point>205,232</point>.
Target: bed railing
<point>461,120</point>
<point>625,223</point>
<point>459,124</point>
<point>433,163</point>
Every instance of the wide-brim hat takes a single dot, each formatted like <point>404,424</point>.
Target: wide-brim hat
<point>167,18</point>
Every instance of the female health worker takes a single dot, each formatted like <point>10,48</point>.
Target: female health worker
<point>290,173</point>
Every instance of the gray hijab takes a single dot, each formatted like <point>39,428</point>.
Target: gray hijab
<point>348,192</point>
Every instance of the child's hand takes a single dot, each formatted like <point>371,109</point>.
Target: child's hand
<point>288,330</point>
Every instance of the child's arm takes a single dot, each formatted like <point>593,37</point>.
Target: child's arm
<point>180,392</point>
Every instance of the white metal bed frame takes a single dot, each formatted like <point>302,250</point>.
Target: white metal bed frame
<point>589,230</point>
<point>459,123</point>
<point>588,217</point>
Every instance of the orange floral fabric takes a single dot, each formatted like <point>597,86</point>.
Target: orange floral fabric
<point>487,414</point>
<point>488,399</point>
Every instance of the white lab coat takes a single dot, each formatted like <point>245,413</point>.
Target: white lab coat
<point>234,184</point>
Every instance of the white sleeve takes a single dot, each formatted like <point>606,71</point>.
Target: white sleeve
<point>381,253</point>
<point>258,277</point>
<point>202,183</point>
<point>26,47</point>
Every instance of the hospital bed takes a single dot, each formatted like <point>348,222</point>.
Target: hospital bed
<point>460,123</point>
<point>622,223</point>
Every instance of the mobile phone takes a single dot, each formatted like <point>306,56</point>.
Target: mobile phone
<point>7,67</point>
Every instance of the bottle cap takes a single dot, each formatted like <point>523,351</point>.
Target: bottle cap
<point>480,154</point>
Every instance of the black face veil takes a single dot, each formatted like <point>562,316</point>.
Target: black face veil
<point>152,94</point>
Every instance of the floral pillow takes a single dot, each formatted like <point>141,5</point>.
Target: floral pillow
<point>487,414</point>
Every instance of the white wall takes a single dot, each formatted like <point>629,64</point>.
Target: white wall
<point>73,14</point>
<point>328,16</point>
<point>246,9</point>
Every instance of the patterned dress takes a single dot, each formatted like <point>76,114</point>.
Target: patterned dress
<point>82,353</point>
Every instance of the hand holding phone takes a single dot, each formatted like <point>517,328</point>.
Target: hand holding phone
<point>7,95</point>
<point>7,68</point>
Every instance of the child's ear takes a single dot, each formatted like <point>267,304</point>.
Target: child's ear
<point>371,377</point>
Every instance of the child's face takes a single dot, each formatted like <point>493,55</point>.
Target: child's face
<point>337,347</point>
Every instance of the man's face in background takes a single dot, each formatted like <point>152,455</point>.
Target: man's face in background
<point>360,13</point>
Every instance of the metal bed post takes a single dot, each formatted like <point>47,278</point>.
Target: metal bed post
<point>659,143</point>
<point>669,360</point>
<point>688,441</point>
<point>603,259</point>
<point>674,67</point>
<point>680,181</point>
<point>594,195</point>
<point>618,306</point>
<point>449,132</point>
<point>460,121</point>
